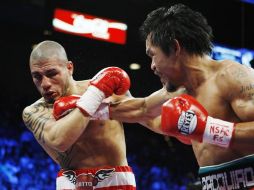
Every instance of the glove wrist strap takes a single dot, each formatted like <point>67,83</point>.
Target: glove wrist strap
<point>90,100</point>
<point>218,132</point>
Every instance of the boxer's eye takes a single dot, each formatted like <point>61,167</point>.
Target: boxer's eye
<point>51,73</point>
<point>37,77</point>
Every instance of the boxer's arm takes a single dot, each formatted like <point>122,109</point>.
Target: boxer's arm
<point>238,85</point>
<point>134,110</point>
<point>145,111</point>
<point>58,135</point>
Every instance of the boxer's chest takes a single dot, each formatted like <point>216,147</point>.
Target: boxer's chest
<point>213,101</point>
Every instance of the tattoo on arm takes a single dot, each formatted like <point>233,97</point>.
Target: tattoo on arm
<point>65,158</point>
<point>247,88</point>
<point>248,91</point>
<point>36,119</point>
<point>239,75</point>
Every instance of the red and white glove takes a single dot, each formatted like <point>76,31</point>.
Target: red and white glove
<point>183,116</point>
<point>108,81</point>
<point>66,104</point>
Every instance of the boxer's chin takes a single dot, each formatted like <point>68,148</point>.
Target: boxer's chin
<point>170,87</point>
<point>163,81</point>
<point>50,100</point>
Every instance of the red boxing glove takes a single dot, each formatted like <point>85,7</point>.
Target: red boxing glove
<point>183,116</point>
<point>64,105</point>
<point>108,81</point>
<point>111,80</point>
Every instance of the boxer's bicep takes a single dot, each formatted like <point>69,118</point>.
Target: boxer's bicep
<point>241,92</point>
<point>243,105</point>
<point>37,122</point>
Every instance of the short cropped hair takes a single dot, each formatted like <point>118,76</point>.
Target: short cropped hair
<point>47,50</point>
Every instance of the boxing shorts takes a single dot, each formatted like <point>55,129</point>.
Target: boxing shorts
<point>107,178</point>
<point>234,175</point>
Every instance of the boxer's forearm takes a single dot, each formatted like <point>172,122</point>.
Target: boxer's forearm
<point>243,136</point>
<point>66,131</point>
<point>132,110</point>
<point>58,135</point>
<point>141,109</point>
<point>153,124</point>
<point>136,111</point>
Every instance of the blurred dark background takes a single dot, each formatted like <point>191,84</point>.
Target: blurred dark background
<point>24,23</point>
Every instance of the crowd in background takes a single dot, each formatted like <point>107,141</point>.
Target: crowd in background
<point>159,163</point>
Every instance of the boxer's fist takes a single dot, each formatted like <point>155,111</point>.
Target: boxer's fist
<point>111,80</point>
<point>64,105</point>
<point>108,81</point>
<point>183,116</point>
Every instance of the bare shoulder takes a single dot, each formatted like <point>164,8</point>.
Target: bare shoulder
<point>83,82</point>
<point>33,114</point>
<point>82,86</point>
<point>234,70</point>
<point>233,76</point>
<point>39,104</point>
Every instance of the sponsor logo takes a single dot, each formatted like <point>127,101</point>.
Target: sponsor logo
<point>187,122</point>
<point>71,175</point>
<point>87,181</point>
<point>219,132</point>
<point>230,180</point>
<point>89,26</point>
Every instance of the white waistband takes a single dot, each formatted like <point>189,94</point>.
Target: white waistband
<point>114,179</point>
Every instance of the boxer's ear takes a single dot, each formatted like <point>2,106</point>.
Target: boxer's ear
<point>177,47</point>
<point>70,67</point>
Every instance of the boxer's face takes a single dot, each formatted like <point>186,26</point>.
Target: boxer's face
<point>51,77</point>
<point>166,67</point>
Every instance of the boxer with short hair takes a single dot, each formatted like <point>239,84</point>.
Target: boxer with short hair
<point>217,115</point>
<point>91,153</point>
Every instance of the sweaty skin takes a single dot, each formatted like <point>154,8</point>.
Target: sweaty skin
<point>74,141</point>
<point>231,99</point>
<point>102,143</point>
<point>224,88</point>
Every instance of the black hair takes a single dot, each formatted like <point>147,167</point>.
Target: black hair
<point>179,22</point>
